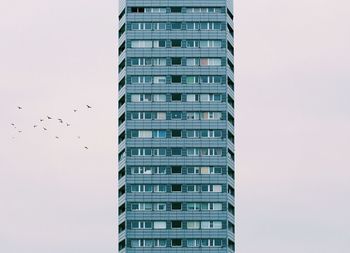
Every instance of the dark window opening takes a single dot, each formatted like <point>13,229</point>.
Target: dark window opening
<point>121,65</point>
<point>176,79</point>
<point>121,191</point>
<point>176,224</point>
<point>230,48</point>
<point>231,173</point>
<point>176,133</point>
<point>176,188</point>
<point>137,9</point>
<point>121,173</point>
<point>122,226</point>
<point>121,119</point>
<point>176,152</point>
<point>121,15</point>
<point>176,243</point>
<point>229,13</point>
<point>121,137</point>
<point>231,137</point>
<point>176,206</point>
<point>175,43</point>
<point>121,101</point>
<point>230,30</point>
<point>121,245</point>
<point>176,170</point>
<point>121,48</point>
<point>175,9</point>
<point>231,102</point>
<point>121,210</point>
<point>121,31</point>
<point>176,61</point>
<point>121,84</point>
<point>230,83</point>
<point>230,64</point>
<point>176,97</point>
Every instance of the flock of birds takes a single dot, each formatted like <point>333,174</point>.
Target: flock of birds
<point>49,118</point>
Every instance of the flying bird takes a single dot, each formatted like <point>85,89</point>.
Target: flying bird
<point>60,120</point>
<point>86,147</point>
<point>68,125</point>
<point>56,137</point>
<point>19,107</point>
<point>45,128</point>
<point>20,131</point>
<point>35,126</point>
<point>12,124</point>
<point>78,137</point>
<point>49,117</point>
<point>88,106</point>
<point>41,120</point>
<point>75,110</point>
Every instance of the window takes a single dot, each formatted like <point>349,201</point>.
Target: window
<point>159,170</point>
<point>145,134</point>
<point>176,206</point>
<point>159,134</point>
<point>137,9</point>
<point>193,243</point>
<point>160,243</point>
<point>210,62</point>
<point>211,206</point>
<point>176,243</point>
<point>192,62</point>
<point>176,224</point>
<point>176,188</point>
<point>141,170</point>
<point>210,79</point>
<point>160,116</point>
<point>211,115</point>
<point>212,188</point>
<point>158,43</point>
<point>141,44</point>
<point>192,26</point>
<point>210,44</point>
<point>159,26</point>
<point>141,79</point>
<point>175,43</point>
<point>141,225</point>
<point>193,170</point>
<point>192,79</point>
<point>192,43</point>
<point>176,151</point>
<point>159,152</point>
<point>210,26</point>
<point>160,207</point>
<point>176,133</point>
<point>192,115</point>
<point>192,98</point>
<point>192,152</point>
<point>217,206</point>
<point>176,61</point>
<point>211,242</point>
<point>159,98</point>
<point>211,225</point>
<point>141,115</point>
<point>159,188</point>
<point>176,79</point>
<point>176,170</point>
<point>176,97</point>
<point>159,79</point>
<point>193,206</point>
<point>193,225</point>
<point>176,115</point>
<point>176,26</point>
<point>141,26</point>
<point>193,188</point>
<point>210,97</point>
<point>159,225</point>
<point>159,62</point>
<point>175,9</point>
<point>155,10</point>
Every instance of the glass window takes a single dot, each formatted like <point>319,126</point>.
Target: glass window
<point>159,170</point>
<point>159,26</point>
<point>159,225</point>
<point>175,43</point>
<point>141,44</point>
<point>160,188</point>
<point>204,170</point>
<point>192,115</point>
<point>177,206</point>
<point>176,26</point>
<point>176,97</point>
<point>159,134</point>
<point>159,98</point>
<point>155,10</point>
<point>176,224</point>
<point>176,115</point>
<point>192,62</point>
<point>193,170</point>
<point>193,225</point>
<point>160,243</point>
<point>192,26</point>
<point>159,79</point>
<point>175,9</point>
<point>176,188</point>
<point>193,206</point>
<point>176,243</point>
<point>176,133</point>
<point>160,116</point>
<point>217,206</point>
<point>160,207</point>
<point>159,62</point>
<point>192,98</point>
<point>193,188</point>
<point>176,151</point>
<point>192,152</point>
<point>176,61</point>
<point>192,80</point>
<point>145,134</point>
<point>217,188</point>
<point>192,43</point>
<point>192,243</point>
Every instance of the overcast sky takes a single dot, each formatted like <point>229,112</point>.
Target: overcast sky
<point>292,119</point>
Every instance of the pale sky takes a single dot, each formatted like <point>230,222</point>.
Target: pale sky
<point>292,126</point>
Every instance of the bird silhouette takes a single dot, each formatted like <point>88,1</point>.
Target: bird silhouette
<point>86,147</point>
<point>75,110</point>
<point>49,117</point>
<point>41,120</point>
<point>45,128</point>
<point>20,131</point>
<point>35,126</point>
<point>68,125</point>
<point>88,106</point>
<point>19,107</point>
<point>12,124</point>
<point>78,137</point>
<point>56,137</point>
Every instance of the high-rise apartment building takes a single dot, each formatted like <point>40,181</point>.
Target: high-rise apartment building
<point>176,126</point>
